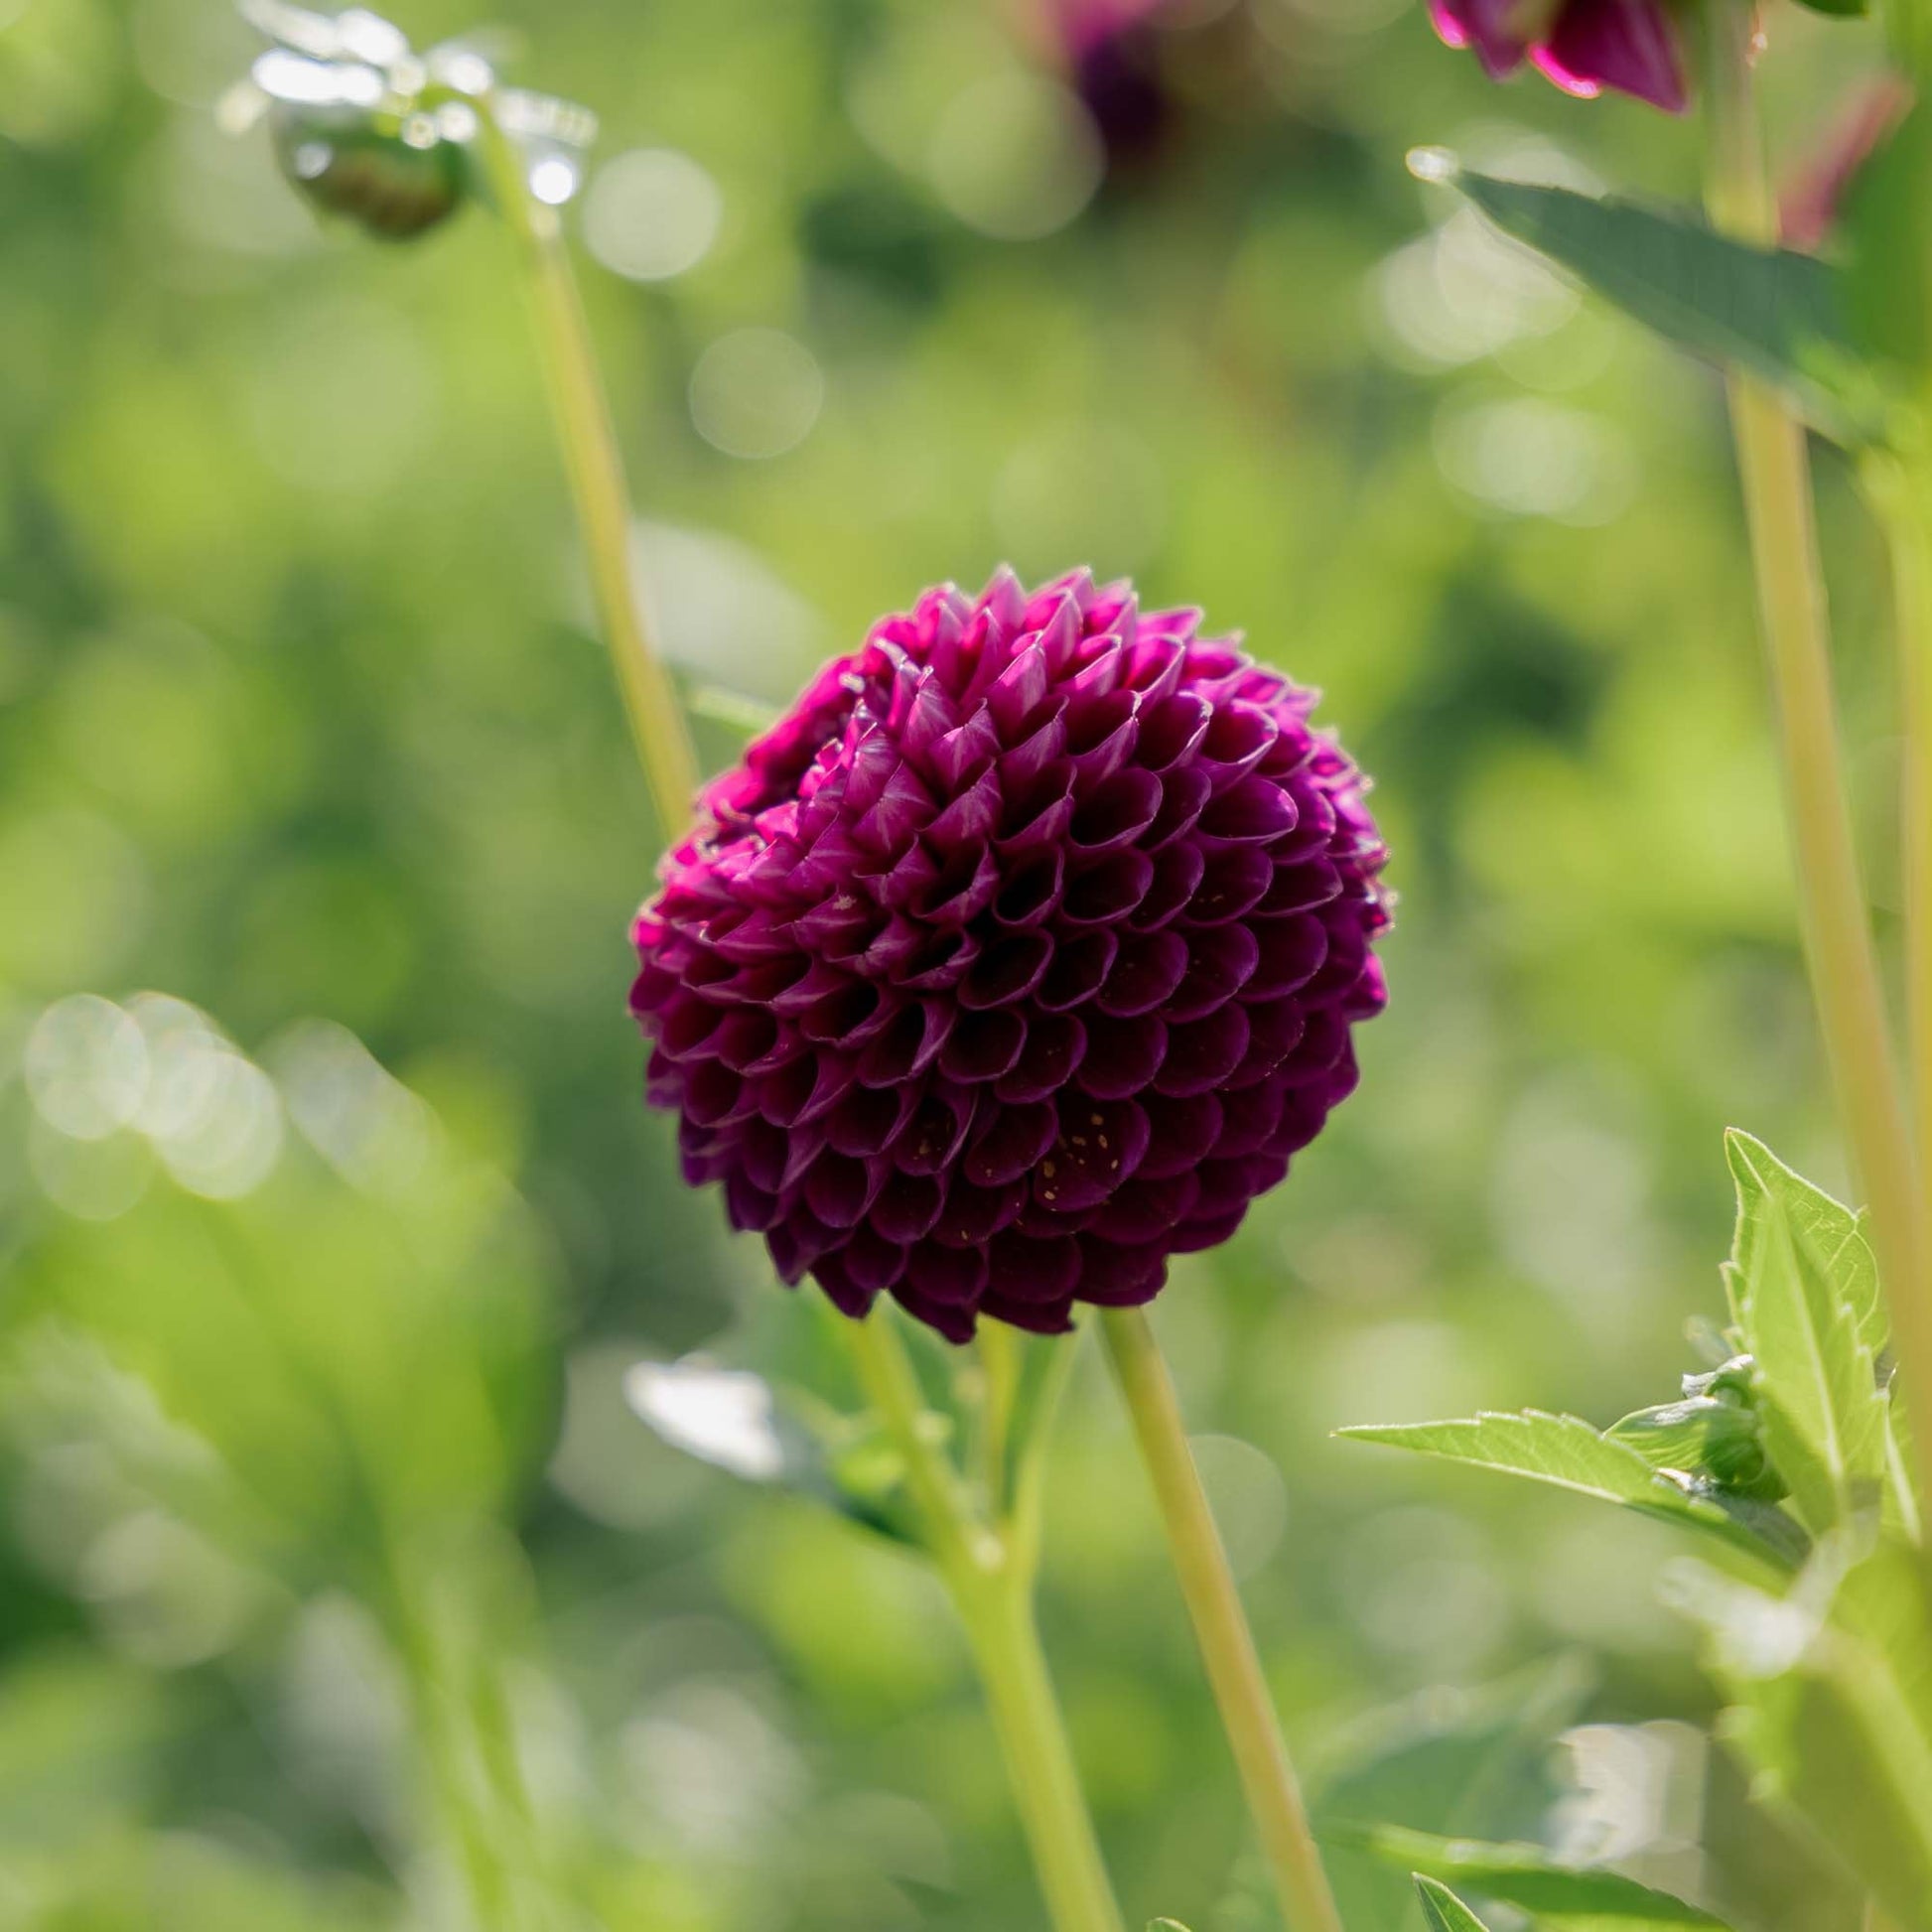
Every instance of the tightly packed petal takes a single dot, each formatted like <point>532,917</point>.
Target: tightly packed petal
<point>1020,956</point>
<point>1584,46</point>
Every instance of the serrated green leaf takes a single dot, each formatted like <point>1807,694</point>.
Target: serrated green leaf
<point>1568,1453</point>
<point>1830,1695</point>
<point>1444,1910</point>
<point>1772,313</point>
<point>1527,1876</point>
<point>1804,1290</point>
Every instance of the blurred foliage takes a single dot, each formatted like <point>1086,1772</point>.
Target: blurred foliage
<point>337,1585</point>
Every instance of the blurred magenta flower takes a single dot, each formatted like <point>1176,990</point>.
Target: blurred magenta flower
<point>1584,46</point>
<point>1020,956</point>
<point>1111,54</point>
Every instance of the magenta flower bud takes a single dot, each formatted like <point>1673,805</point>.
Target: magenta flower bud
<point>1020,956</point>
<point>1584,46</point>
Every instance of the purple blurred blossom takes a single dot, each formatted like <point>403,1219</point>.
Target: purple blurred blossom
<point>1584,46</point>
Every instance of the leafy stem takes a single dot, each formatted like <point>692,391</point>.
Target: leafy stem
<point>1774,472</point>
<point>989,1569</point>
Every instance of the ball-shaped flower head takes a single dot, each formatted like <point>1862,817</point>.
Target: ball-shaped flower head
<point>1020,956</point>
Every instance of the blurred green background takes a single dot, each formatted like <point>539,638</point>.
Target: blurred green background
<point>338,1588</point>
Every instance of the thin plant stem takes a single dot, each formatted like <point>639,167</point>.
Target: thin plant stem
<point>1900,496</point>
<point>991,1582</point>
<point>1227,1644</point>
<point>582,415</point>
<point>1774,472</point>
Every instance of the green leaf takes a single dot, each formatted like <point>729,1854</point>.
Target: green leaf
<point>1772,313</point>
<point>1525,1876</point>
<point>1568,1453</point>
<point>1804,1290</point>
<point>1704,1437</point>
<point>1830,1695</point>
<point>1887,225</point>
<point>736,1421</point>
<point>1444,1910</point>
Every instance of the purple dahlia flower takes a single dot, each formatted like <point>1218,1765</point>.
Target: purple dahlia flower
<point>1584,46</point>
<point>1020,956</point>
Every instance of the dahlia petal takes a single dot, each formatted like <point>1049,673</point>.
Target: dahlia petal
<point>1238,738</point>
<point>1179,870</point>
<point>1018,693</point>
<point>1221,959</point>
<point>1078,970</point>
<point>1022,767</point>
<point>1007,971</point>
<point>1197,1234</point>
<point>953,1322</point>
<point>1274,1030</point>
<point>1023,1270</point>
<point>930,1141</point>
<point>1172,729</point>
<point>983,1046</point>
<point>1117,1277</point>
<point>1056,1045</point>
<point>1116,810</point>
<point>1106,892</point>
<point>867,1120</point>
<point>1148,1209</point>
<point>1032,892</point>
<point>973,1214</point>
<point>907,1045</point>
<point>1234,882</point>
<point>908,1207</point>
<point>1123,1055</point>
<point>839,1190</point>
<point>1184,791</point>
<point>945,1275</point>
<point>1012,1141</point>
<point>1254,809</point>
<point>1182,1129</point>
<point>1101,1146</point>
<point>1035,1317</point>
<point>973,815</point>
<point>1291,953</point>
<point>1149,968</point>
<point>846,1294</point>
<point>1201,1053</point>
<point>1102,734</point>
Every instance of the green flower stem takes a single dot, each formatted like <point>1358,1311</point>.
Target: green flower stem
<point>1775,474</point>
<point>1901,495</point>
<point>1227,1645</point>
<point>991,1581</point>
<point>582,414</point>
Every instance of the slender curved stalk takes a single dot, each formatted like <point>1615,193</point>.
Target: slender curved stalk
<point>1902,498</point>
<point>582,414</point>
<point>1227,1644</point>
<point>1774,472</point>
<point>991,1582</point>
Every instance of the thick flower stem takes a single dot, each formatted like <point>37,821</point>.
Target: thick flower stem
<point>991,1581</point>
<point>588,444</point>
<point>1227,1644</point>
<point>1839,946</point>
